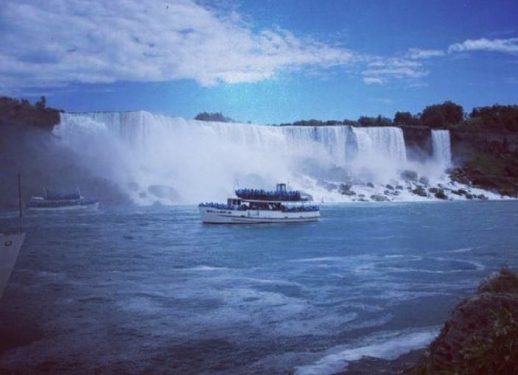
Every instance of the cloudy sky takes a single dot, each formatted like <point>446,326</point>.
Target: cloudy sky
<point>265,61</point>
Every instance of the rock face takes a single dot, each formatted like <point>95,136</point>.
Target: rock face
<point>418,140</point>
<point>481,336</point>
<point>487,159</point>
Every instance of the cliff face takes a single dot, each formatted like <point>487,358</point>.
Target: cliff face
<point>486,159</point>
<point>418,140</point>
<point>481,336</point>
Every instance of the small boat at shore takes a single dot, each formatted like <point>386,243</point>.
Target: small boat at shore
<point>260,206</point>
<point>54,201</point>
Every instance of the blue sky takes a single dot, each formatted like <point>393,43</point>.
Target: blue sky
<point>261,61</point>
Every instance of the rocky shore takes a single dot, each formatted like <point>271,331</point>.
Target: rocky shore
<point>480,337</point>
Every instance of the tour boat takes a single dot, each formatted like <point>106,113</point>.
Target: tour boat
<point>260,206</point>
<point>53,201</point>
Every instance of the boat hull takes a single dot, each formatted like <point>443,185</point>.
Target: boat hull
<point>75,207</point>
<point>10,245</point>
<point>212,215</point>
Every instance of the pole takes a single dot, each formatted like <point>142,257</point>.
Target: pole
<point>20,210</point>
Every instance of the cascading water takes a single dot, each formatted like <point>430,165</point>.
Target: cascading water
<point>171,160</point>
<point>441,147</point>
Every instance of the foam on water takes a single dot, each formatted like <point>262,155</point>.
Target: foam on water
<point>384,346</point>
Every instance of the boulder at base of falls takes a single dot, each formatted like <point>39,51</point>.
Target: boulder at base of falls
<point>408,175</point>
<point>481,335</point>
<point>424,180</point>
<point>419,190</point>
<point>345,189</point>
<point>379,198</point>
<point>440,194</point>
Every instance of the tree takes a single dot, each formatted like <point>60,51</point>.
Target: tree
<point>441,115</point>
<point>374,121</point>
<point>41,104</point>
<point>216,116</point>
<point>403,118</point>
<point>496,116</point>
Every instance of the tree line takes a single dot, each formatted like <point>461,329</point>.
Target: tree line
<point>19,113</point>
<point>445,115</point>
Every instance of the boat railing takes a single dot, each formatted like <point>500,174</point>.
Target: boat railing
<point>221,206</point>
<point>300,208</point>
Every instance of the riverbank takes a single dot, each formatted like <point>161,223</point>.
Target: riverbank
<point>480,337</point>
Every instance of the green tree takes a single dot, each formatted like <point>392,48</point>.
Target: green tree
<point>441,115</point>
<point>403,118</point>
<point>42,103</point>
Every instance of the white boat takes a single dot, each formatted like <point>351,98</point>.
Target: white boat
<point>53,201</point>
<point>259,206</point>
<point>10,244</point>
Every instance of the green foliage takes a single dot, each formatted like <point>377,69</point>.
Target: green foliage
<point>215,116</point>
<point>489,342</point>
<point>20,113</point>
<point>497,116</point>
<point>374,121</point>
<point>496,353</point>
<point>442,115</point>
<point>349,122</point>
<point>505,281</point>
<point>311,122</point>
<point>406,118</point>
<point>41,104</point>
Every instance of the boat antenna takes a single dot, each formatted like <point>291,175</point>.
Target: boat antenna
<point>20,209</point>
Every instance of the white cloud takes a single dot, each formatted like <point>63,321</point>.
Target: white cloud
<point>381,70</point>
<point>417,53</point>
<point>509,45</point>
<point>373,81</point>
<point>58,42</point>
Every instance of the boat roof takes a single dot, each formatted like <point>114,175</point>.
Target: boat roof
<point>270,200</point>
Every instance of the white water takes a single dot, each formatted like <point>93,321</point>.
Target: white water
<point>172,160</point>
<point>441,147</point>
<point>385,346</point>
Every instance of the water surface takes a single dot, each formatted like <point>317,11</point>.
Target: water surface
<point>153,290</point>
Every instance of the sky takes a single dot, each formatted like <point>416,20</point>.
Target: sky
<point>263,61</point>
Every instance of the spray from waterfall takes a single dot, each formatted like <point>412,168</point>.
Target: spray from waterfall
<point>172,160</point>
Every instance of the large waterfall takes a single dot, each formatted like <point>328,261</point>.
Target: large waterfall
<point>159,158</point>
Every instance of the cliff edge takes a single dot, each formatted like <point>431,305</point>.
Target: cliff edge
<point>20,113</point>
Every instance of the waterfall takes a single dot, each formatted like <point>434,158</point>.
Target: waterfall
<point>154,157</point>
<point>441,147</point>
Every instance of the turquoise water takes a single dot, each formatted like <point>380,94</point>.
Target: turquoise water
<point>153,290</point>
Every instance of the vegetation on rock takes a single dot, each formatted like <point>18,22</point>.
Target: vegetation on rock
<point>481,336</point>
<point>215,116</point>
<point>21,113</point>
